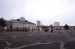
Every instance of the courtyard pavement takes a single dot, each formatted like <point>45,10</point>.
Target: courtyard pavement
<point>19,40</point>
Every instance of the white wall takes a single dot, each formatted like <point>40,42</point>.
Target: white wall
<point>23,25</point>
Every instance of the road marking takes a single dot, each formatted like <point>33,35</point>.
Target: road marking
<point>31,45</point>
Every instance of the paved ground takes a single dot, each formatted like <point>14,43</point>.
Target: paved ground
<point>23,39</point>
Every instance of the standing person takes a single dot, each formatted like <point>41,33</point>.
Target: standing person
<point>38,29</point>
<point>51,28</point>
<point>32,29</point>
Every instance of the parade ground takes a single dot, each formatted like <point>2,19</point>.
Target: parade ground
<point>23,40</point>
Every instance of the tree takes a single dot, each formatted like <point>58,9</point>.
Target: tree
<point>2,23</point>
<point>66,27</point>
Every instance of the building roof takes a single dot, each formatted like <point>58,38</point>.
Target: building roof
<point>21,21</point>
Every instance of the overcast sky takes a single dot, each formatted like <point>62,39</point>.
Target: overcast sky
<point>47,11</point>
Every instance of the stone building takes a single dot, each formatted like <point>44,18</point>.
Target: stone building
<point>20,23</point>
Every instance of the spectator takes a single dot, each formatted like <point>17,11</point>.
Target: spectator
<point>51,28</point>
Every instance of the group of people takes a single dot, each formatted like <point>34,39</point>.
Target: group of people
<point>45,28</point>
<point>19,29</point>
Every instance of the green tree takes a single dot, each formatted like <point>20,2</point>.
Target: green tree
<point>2,23</point>
<point>66,27</point>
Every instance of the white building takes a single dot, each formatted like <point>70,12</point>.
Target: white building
<point>38,23</point>
<point>20,23</point>
<point>56,24</point>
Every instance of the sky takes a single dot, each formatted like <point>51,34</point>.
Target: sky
<point>46,11</point>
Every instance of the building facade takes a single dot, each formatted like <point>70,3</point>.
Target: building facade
<point>38,23</point>
<point>56,24</point>
<point>20,24</point>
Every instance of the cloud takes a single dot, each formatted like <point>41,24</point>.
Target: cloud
<point>47,11</point>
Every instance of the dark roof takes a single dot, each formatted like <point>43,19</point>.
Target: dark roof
<point>21,21</point>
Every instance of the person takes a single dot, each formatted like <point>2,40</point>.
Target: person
<point>51,28</point>
<point>32,29</point>
<point>38,29</point>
